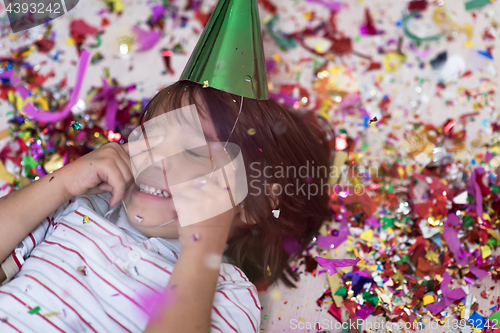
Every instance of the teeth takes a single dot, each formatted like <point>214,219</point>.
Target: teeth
<point>154,191</point>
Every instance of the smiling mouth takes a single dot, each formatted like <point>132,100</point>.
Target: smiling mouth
<point>154,191</point>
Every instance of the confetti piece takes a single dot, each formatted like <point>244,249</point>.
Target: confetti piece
<point>474,4</point>
<point>449,295</point>
<point>332,264</point>
<point>76,126</point>
<point>86,219</point>
<point>82,270</point>
<point>205,84</point>
<point>145,39</point>
<point>34,310</point>
<point>393,61</point>
<point>5,175</point>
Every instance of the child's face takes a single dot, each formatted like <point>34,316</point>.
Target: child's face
<point>176,152</point>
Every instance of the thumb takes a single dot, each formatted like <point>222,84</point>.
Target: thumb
<point>125,147</point>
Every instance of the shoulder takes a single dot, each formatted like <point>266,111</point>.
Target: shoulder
<point>236,304</point>
<point>233,278</point>
<point>229,273</point>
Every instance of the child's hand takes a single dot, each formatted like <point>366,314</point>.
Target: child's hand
<point>206,202</point>
<point>106,169</point>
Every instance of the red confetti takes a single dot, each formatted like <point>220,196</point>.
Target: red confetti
<point>417,5</point>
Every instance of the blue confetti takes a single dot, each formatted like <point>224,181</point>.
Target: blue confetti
<point>437,239</point>
<point>477,320</point>
<point>485,53</point>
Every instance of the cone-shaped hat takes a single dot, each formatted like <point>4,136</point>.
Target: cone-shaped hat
<point>229,54</point>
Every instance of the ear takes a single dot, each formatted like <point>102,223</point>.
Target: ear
<point>273,197</point>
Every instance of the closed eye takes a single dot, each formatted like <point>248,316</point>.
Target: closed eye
<point>192,153</point>
<point>197,153</point>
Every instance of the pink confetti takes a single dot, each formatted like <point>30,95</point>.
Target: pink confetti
<point>331,242</point>
<point>449,296</point>
<point>334,6</point>
<point>332,264</point>
<point>145,39</point>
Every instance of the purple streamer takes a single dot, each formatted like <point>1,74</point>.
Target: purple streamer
<point>328,241</point>
<point>334,6</point>
<point>450,236</point>
<point>50,117</point>
<point>449,296</point>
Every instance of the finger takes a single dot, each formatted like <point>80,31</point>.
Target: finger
<point>125,147</point>
<point>105,187</point>
<point>126,173</point>
<point>123,162</point>
<point>96,190</point>
<point>112,175</point>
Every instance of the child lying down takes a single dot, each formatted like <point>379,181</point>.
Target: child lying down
<point>92,248</point>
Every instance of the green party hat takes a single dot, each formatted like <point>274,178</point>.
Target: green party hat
<point>229,54</point>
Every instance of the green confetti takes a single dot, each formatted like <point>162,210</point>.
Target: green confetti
<point>467,221</point>
<point>495,317</point>
<point>34,310</point>
<point>492,242</point>
<point>370,298</point>
<point>474,4</point>
<point>265,317</point>
<point>29,164</point>
<point>341,292</point>
<point>365,146</point>
<point>76,126</point>
<point>387,222</point>
<point>429,285</point>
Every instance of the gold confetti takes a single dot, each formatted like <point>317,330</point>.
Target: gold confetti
<point>86,219</point>
<point>205,84</point>
<point>51,314</point>
<point>251,131</point>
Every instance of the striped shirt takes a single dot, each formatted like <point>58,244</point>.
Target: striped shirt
<point>104,276</point>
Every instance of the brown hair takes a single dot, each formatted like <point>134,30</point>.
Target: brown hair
<point>270,138</point>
